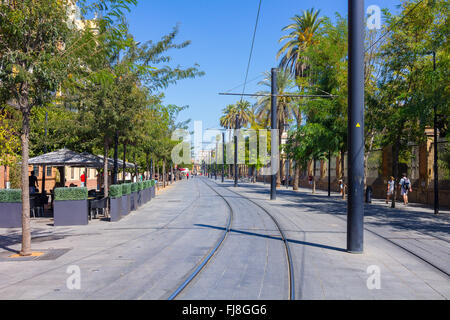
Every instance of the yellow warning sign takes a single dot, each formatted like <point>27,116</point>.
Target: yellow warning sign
<point>358,125</point>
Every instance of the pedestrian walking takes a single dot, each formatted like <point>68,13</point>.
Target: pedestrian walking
<point>83,180</point>
<point>33,183</point>
<point>405,186</point>
<point>390,189</point>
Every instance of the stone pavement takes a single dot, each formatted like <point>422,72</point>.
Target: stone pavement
<point>316,226</point>
<point>149,253</point>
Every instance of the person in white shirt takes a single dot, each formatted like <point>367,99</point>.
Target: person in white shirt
<point>405,186</point>
<point>390,188</point>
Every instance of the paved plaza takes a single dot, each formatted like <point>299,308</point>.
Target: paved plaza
<point>148,254</point>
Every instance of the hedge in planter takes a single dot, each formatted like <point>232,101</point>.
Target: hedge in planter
<point>10,208</point>
<point>115,192</point>
<point>148,195</point>
<point>134,196</point>
<point>153,183</point>
<point>126,198</point>
<point>140,194</point>
<point>71,207</point>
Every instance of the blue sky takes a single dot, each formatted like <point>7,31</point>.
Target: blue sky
<point>221,33</point>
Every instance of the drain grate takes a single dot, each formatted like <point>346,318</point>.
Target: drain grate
<point>53,254</point>
<point>48,255</point>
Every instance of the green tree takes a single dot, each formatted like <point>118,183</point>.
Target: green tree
<point>34,36</point>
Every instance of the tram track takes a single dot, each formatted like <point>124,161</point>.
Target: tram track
<point>283,237</point>
<point>208,257</point>
<point>221,241</point>
<point>420,257</point>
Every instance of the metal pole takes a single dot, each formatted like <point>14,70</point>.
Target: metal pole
<point>236,152</point>
<point>436,146</point>
<point>274,121</point>
<point>329,174</point>
<point>287,173</point>
<point>223,156</point>
<point>116,157</point>
<point>355,208</point>
<point>45,151</point>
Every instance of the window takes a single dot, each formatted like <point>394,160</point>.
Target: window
<point>36,170</point>
<point>49,171</point>
<point>72,173</point>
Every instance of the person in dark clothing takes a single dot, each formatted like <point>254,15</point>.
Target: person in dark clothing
<point>33,182</point>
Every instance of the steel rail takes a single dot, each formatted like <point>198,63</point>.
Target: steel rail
<point>208,257</point>
<point>286,244</point>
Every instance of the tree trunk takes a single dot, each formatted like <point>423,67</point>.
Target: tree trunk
<point>124,168</point>
<point>164,173</point>
<point>395,154</point>
<point>296,176</point>
<point>26,227</point>
<point>148,166</point>
<point>136,172</point>
<point>366,158</point>
<point>152,166</point>
<point>105,174</point>
<point>116,158</point>
<point>4,177</point>
<point>314,177</point>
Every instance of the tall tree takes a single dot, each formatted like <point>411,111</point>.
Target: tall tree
<point>38,48</point>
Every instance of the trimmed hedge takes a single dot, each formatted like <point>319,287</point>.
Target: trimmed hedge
<point>66,194</point>
<point>126,189</point>
<point>134,187</point>
<point>140,186</point>
<point>10,196</point>
<point>115,191</point>
<point>153,183</point>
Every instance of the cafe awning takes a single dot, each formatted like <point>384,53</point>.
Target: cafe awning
<point>69,158</point>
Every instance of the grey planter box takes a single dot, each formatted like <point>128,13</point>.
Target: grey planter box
<point>133,199</point>
<point>126,204</point>
<point>70,213</point>
<point>11,215</point>
<point>144,196</point>
<point>148,193</point>
<point>153,190</point>
<point>116,209</point>
<point>140,201</point>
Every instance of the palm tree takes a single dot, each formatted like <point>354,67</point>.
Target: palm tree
<point>244,113</point>
<point>286,107</point>
<point>303,35</point>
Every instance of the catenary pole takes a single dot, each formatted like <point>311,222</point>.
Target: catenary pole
<point>274,122</point>
<point>236,152</point>
<point>436,145</point>
<point>223,156</point>
<point>355,207</point>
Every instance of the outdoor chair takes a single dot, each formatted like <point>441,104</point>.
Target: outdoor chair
<point>37,204</point>
<point>96,206</point>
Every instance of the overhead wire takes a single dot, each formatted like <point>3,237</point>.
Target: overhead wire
<point>251,49</point>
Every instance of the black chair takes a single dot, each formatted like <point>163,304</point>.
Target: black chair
<point>41,201</point>
<point>98,204</point>
<point>32,207</point>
